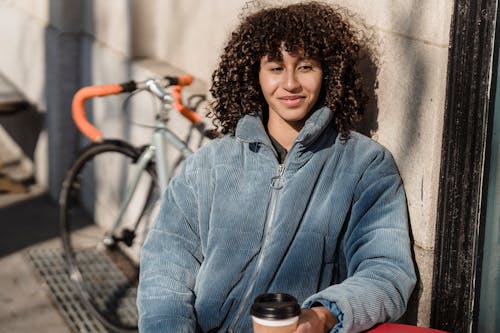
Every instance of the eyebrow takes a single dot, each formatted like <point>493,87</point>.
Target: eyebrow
<point>280,59</point>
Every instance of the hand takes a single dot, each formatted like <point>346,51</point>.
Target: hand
<point>315,320</point>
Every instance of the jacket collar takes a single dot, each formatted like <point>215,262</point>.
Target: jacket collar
<point>251,129</point>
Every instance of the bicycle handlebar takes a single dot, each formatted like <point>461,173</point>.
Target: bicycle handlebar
<point>85,93</point>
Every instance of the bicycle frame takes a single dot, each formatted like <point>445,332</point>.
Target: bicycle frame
<point>156,151</point>
<point>161,136</point>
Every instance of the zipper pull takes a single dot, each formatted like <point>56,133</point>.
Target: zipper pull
<point>277,181</point>
<point>281,168</point>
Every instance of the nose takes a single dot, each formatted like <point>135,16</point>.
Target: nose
<point>290,81</point>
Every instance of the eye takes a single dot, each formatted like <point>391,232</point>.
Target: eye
<point>305,68</point>
<point>276,69</point>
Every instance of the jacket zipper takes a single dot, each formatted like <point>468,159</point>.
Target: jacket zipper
<point>276,185</point>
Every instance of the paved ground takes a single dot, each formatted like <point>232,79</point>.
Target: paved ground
<point>25,305</point>
<point>27,220</point>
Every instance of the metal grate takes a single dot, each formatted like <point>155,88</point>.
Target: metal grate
<point>111,289</point>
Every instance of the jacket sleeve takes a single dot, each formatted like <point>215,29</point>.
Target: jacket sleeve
<point>170,259</point>
<point>376,248</point>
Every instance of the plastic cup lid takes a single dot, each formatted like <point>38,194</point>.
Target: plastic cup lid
<point>275,306</point>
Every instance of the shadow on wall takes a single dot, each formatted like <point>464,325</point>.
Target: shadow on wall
<point>20,129</point>
<point>368,125</point>
<point>414,95</point>
<point>24,126</point>
<point>411,90</point>
<point>368,68</point>
<point>62,77</point>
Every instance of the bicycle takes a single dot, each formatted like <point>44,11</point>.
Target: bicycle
<point>141,174</point>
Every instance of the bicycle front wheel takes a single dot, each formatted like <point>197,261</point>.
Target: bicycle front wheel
<point>102,228</point>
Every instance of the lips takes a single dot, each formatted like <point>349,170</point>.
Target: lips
<point>292,101</point>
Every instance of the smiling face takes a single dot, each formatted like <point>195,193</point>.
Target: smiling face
<point>291,87</point>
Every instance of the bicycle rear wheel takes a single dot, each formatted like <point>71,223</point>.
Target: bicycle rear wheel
<point>102,259</point>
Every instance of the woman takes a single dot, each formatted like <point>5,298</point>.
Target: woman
<point>290,199</point>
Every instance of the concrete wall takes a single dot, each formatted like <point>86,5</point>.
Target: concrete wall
<point>50,48</point>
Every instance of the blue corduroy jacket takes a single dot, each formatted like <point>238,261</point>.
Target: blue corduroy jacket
<point>328,226</point>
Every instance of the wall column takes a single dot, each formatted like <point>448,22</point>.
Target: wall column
<point>62,77</point>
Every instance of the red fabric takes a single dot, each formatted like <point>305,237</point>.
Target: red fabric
<point>400,328</point>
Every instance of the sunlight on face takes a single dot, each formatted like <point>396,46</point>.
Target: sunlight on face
<point>291,87</point>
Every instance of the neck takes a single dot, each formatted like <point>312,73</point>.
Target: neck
<point>284,133</point>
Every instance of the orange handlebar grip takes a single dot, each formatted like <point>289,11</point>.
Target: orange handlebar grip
<point>185,111</point>
<point>78,107</point>
<point>185,80</point>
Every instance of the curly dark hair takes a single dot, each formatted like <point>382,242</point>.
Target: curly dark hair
<point>317,30</point>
